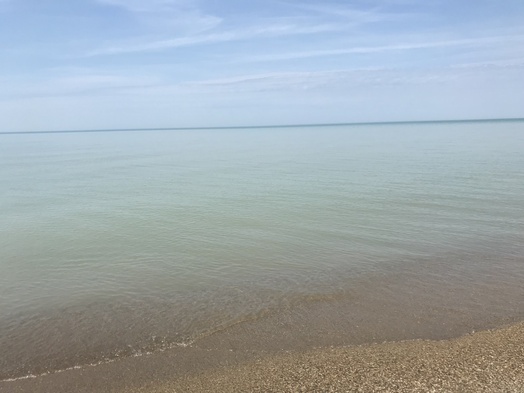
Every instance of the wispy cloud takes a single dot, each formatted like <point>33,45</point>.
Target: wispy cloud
<point>268,31</point>
<point>146,6</point>
<point>350,14</point>
<point>168,15</point>
<point>342,80</point>
<point>85,82</point>
<point>517,64</point>
<point>77,84</point>
<point>348,80</point>
<point>307,19</point>
<point>385,48</point>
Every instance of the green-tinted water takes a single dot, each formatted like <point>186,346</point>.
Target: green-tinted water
<point>119,243</point>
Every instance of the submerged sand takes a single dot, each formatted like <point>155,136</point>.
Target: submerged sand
<point>489,361</point>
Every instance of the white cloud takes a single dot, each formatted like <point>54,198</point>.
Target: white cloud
<point>349,14</point>
<point>387,48</point>
<point>145,6</point>
<point>336,80</point>
<point>167,15</point>
<point>75,83</point>
<point>338,83</point>
<point>278,98</point>
<point>99,83</point>
<point>310,19</point>
<point>268,31</point>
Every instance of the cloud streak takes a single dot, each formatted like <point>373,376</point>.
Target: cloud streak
<point>78,84</point>
<point>350,14</point>
<point>146,6</point>
<point>100,83</point>
<point>310,19</point>
<point>386,48</point>
<point>167,15</point>
<point>268,31</point>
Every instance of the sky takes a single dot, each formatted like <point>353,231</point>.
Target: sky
<point>112,64</point>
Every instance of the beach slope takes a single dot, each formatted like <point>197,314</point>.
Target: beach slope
<point>488,361</point>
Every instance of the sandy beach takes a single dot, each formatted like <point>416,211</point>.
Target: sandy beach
<point>489,361</point>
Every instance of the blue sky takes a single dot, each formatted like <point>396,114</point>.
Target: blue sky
<point>84,64</point>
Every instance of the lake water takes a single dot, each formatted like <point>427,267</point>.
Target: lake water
<point>116,244</point>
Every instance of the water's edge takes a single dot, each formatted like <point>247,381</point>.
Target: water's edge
<point>379,308</point>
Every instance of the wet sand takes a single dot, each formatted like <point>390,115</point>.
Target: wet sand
<point>489,361</point>
<point>486,361</point>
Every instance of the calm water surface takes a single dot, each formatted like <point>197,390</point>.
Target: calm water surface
<point>119,243</point>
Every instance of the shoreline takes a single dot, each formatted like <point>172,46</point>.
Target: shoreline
<point>323,331</point>
<point>404,305</point>
<point>487,361</point>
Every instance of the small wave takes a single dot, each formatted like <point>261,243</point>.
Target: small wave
<point>137,353</point>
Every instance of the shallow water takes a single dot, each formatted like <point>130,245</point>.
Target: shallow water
<point>115,244</point>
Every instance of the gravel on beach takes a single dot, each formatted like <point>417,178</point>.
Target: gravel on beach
<point>489,361</point>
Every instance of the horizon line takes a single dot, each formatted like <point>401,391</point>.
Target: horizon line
<point>516,119</point>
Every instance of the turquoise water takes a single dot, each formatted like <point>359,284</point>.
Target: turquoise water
<point>119,243</point>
